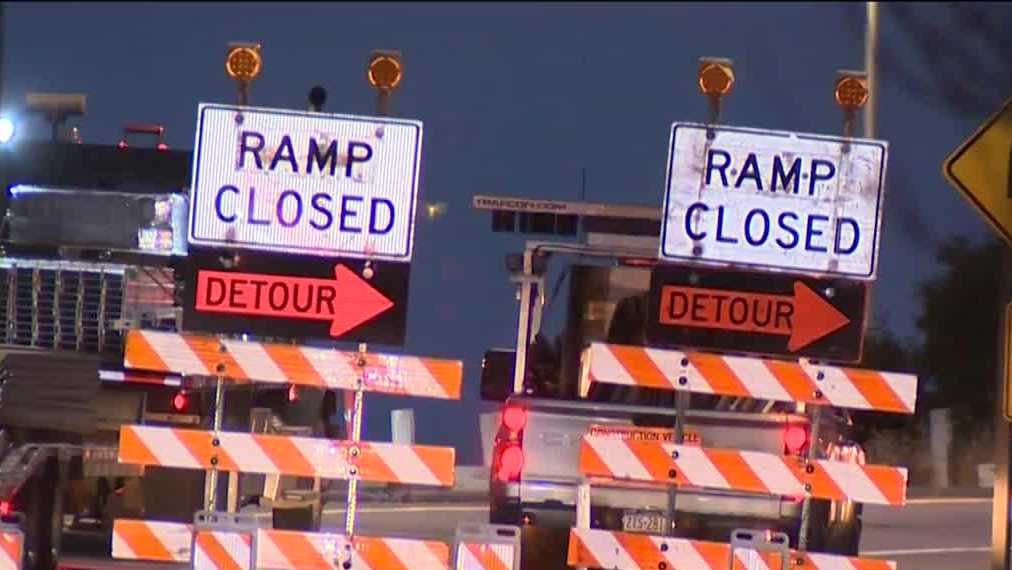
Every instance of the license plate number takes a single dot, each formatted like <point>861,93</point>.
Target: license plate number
<point>646,522</point>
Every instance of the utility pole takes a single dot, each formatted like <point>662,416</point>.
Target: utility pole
<point>871,66</point>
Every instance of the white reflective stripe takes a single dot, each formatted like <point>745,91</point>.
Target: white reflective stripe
<point>331,366</point>
<point>416,377</point>
<point>165,446</point>
<point>328,459</point>
<point>111,376</point>
<point>757,378</point>
<point>121,549</point>
<point>669,362</point>
<point>175,353</point>
<point>247,455</point>
<point>905,387</point>
<point>404,463</point>
<point>695,466</point>
<point>606,549</point>
<point>466,559</point>
<point>605,367</point>
<point>618,458</point>
<point>255,362</point>
<point>836,386</point>
<point>774,473</point>
<point>830,562</point>
<point>681,553</point>
<point>751,559</point>
<point>853,481</point>
<point>268,553</point>
<point>414,554</point>
<point>237,548</point>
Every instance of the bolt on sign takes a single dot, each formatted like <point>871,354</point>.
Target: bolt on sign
<point>758,313</point>
<point>773,200</point>
<point>297,297</point>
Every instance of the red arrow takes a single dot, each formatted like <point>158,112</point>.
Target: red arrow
<point>804,317</point>
<point>346,300</point>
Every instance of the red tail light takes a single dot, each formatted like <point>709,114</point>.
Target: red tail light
<point>122,144</point>
<point>162,146</point>
<point>179,401</point>
<point>511,462</point>
<point>795,439</point>
<point>293,393</point>
<point>514,418</point>
<point>5,508</point>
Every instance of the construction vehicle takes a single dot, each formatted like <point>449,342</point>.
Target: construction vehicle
<point>93,240</point>
<point>606,252</point>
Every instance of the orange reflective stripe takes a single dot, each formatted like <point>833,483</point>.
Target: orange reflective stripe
<point>215,552</point>
<point>201,446</point>
<point>874,389</point>
<point>141,540</point>
<point>794,380</point>
<point>737,472</point>
<point>639,365</point>
<point>133,450</point>
<point>294,364</point>
<point>285,454</point>
<point>140,354</point>
<point>299,550</point>
<point>718,374</point>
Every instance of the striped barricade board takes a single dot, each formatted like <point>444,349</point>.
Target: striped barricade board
<point>604,549</point>
<point>296,550</point>
<point>732,469</point>
<point>151,540</point>
<point>275,363</point>
<point>749,377</point>
<point>486,547</point>
<point>12,547</point>
<point>288,455</point>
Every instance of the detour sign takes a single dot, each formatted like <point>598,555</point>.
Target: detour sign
<point>761,313</point>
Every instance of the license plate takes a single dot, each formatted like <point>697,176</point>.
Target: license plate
<point>645,522</point>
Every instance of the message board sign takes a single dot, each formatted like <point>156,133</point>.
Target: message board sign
<point>773,200</point>
<point>304,183</point>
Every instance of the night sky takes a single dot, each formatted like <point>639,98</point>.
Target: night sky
<point>516,99</point>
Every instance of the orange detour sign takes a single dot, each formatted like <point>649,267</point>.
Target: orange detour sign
<point>803,316</point>
<point>775,314</point>
<point>592,548</point>
<point>345,301</point>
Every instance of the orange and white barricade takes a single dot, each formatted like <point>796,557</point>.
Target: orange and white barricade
<point>295,550</point>
<point>617,461</point>
<point>151,540</point>
<point>225,541</point>
<point>486,547</point>
<point>592,548</point>
<point>12,547</point>
<point>748,377</point>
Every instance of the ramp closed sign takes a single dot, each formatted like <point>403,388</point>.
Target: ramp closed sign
<point>310,183</point>
<point>774,200</point>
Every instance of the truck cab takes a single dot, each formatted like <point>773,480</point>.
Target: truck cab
<point>606,253</point>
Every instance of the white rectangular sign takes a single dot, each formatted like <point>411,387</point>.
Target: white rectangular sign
<point>298,182</point>
<point>772,199</point>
